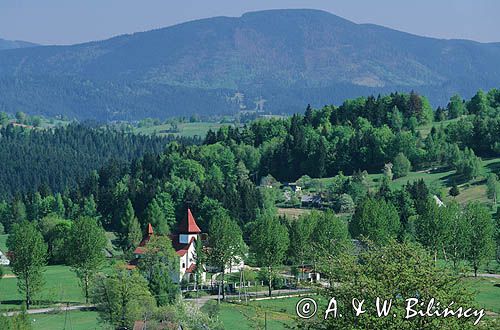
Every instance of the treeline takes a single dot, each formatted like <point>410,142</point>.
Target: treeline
<point>153,189</point>
<point>369,132</point>
<point>57,158</point>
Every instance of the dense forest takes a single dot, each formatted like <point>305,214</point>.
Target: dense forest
<point>229,182</point>
<point>57,158</point>
<point>368,132</point>
<point>365,134</point>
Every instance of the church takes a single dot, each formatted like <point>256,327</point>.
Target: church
<point>184,245</point>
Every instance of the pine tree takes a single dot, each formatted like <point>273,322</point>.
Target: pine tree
<point>454,191</point>
<point>156,217</point>
<point>58,207</point>
<point>130,233</point>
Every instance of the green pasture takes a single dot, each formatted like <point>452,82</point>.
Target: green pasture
<point>278,312</point>
<point>185,129</point>
<point>76,320</point>
<point>61,286</point>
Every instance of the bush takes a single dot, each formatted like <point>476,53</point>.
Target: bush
<point>454,191</point>
<point>401,166</point>
<point>346,204</point>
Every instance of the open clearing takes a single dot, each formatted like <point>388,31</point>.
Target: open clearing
<point>199,129</point>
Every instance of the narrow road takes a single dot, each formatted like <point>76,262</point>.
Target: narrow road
<point>201,301</point>
<point>488,275</point>
<point>51,309</point>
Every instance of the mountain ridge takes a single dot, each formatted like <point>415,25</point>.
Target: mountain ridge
<point>288,58</point>
<point>14,44</point>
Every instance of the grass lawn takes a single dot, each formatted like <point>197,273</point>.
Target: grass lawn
<point>487,292</point>
<point>61,286</point>
<point>426,129</point>
<point>279,313</point>
<point>292,213</point>
<point>185,129</point>
<point>472,191</point>
<point>76,320</point>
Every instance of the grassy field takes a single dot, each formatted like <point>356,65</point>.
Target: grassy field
<point>185,129</point>
<point>487,293</point>
<point>426,129</point>
<point>441,180</point>
<point>292,212</point>
<point>76,320</point>
<point>61,286</point>
<point>279,314</point>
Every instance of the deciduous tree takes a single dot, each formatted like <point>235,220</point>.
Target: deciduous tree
<point>375,219</point>
<point>481,235</point>
<point>122,297</point>
<point>225,242</point>
<point>86,244</point>
<point>29,254</point>
<point>269,244</point>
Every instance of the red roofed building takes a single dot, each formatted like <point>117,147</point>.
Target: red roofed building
<point>183,244</point>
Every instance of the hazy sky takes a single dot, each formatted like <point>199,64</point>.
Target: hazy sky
<point>72,21</point>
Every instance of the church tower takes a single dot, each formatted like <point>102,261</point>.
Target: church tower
<point>188,229</point>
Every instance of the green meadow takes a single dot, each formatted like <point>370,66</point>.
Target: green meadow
<point>76,320</point>
<point>61,287</point>
<point>199,129</point>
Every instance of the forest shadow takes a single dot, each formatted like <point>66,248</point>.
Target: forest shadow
<point>494,167</point>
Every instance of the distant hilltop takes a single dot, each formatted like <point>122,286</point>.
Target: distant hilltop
<point>280,60</point>
<point>13,44</point>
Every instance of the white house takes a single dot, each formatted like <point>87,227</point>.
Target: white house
<point>4,261</point>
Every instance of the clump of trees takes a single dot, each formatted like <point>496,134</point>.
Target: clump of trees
<point>395,271</point>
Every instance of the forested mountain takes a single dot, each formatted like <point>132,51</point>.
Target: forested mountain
<point>279,59</point>
<point>12,44</point>
<point>56,159</point>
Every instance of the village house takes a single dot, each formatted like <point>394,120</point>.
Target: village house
<point>4,261</point>
<point>184,245</point>
<point>294,186</point>
<point>310,200</point>
<point>307,273</point>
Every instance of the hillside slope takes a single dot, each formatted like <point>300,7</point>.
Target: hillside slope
<point>287,58</point>
<point>13,44</point>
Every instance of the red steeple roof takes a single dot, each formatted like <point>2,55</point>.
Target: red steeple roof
<point>145,240</point>
<point>188,224</point>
